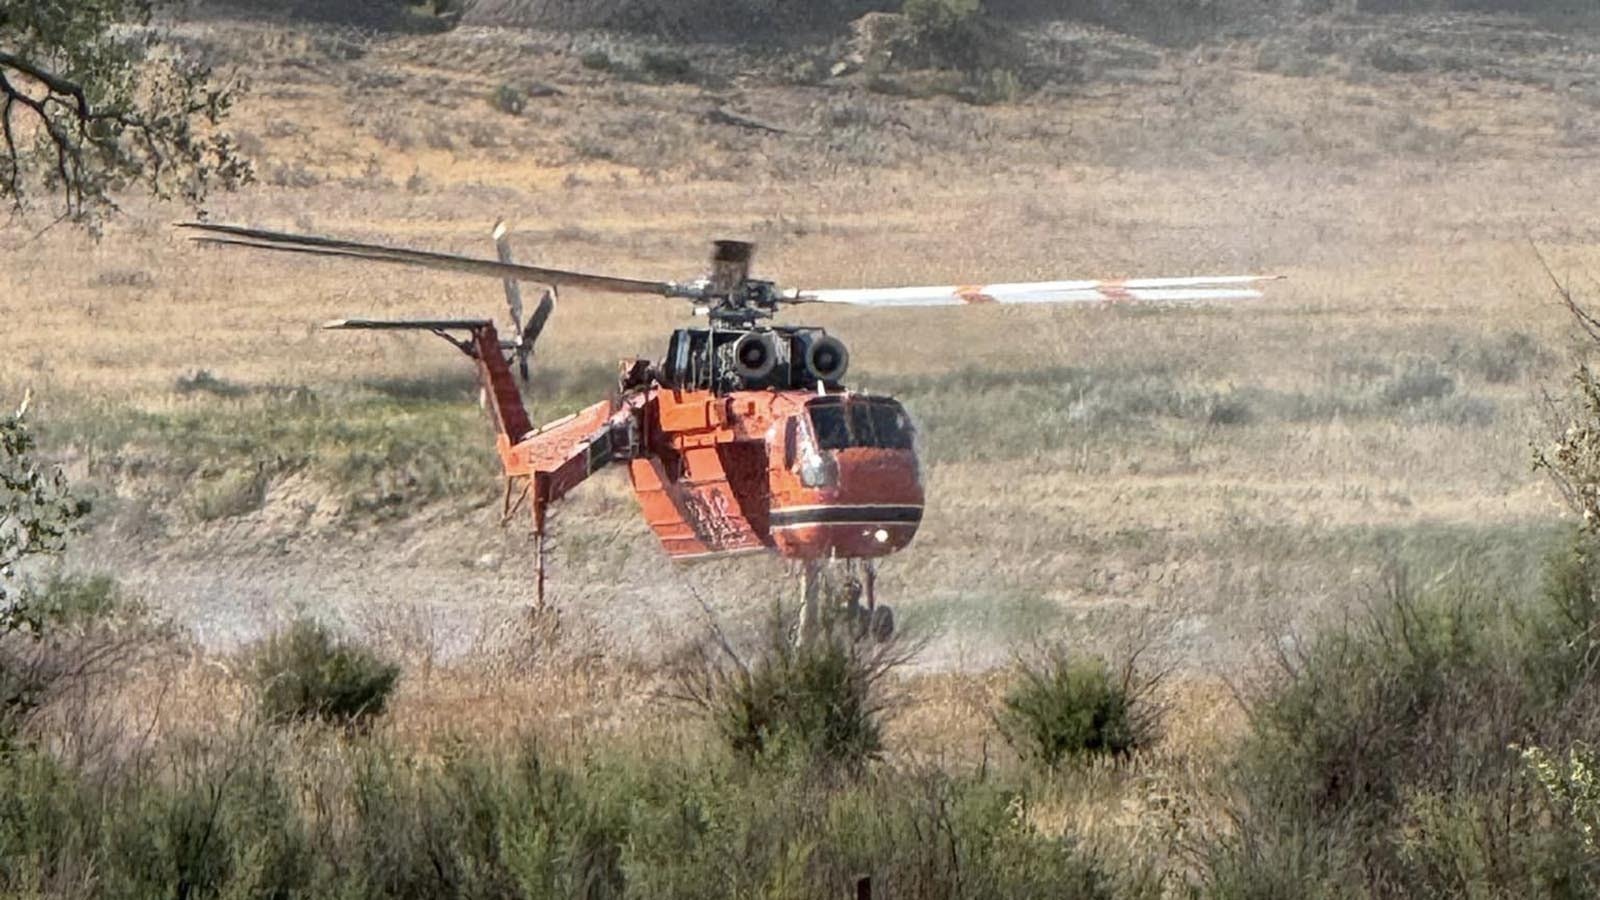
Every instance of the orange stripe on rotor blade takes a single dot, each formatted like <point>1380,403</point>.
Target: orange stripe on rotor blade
<point>1115,292</point>
<point>973,293</point>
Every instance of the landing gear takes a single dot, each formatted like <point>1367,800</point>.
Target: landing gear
<point>878,624</point>
<point>831,594</point>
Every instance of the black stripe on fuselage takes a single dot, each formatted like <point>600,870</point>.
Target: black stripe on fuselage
<point>846,515</point>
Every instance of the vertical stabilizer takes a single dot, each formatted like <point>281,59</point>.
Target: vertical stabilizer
<point>505,401</point>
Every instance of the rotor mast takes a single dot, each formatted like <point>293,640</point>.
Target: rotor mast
<point>728,295</point>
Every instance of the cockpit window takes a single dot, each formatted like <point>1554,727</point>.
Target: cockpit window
<point>829,423</point>
<point>891,427</point>
<point>860,423</point>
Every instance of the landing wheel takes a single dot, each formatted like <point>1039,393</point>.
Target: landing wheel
<point>872,623</point>
<point>880,623</point>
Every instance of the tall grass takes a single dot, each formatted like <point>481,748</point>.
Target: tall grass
<point>241,817</point>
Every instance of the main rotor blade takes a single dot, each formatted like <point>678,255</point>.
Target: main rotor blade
<point>297,243</point>
<point>409,324</point>
<point>1198,289</point>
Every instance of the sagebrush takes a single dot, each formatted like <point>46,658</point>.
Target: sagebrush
<point>305,673</point>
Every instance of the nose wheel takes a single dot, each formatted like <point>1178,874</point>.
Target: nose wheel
<point>843,593</point>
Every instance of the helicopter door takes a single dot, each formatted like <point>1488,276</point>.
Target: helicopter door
<point>791,436</point>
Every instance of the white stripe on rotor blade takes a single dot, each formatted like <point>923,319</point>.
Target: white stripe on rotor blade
<point>1197,280</point>
<point>1149,295</point>
<point>1043,292</point>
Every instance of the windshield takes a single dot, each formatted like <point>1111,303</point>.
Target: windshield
<point>859,422</point>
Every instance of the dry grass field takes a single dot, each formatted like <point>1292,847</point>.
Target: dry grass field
<point>1206,484</point>
<point>1216,477</point>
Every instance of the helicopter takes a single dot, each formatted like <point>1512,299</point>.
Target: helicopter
<point>743,437</point>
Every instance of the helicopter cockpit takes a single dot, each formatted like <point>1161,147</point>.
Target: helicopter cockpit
<point>843,421</point>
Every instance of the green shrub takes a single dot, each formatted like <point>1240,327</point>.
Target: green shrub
<point>83,629</point>
<point>962,35</point>
<point>819,703</point>
<point>991,87</point>
<point>1572,785</point>
<point>1501,359</point>
<point>943,25</point>
<point>241,817</point>
<point>202,821</point>
<point>667,66</point>
<point>78,599</point>
<point>37,514</point>
<point>231,493</point>
<point>1386,753</point>
<point>303,673</point>
<point>1563,630</point>
<point>1420,382</point>
<point>1065,707</point>
<point>1393,700</point>
<point>509,99</point>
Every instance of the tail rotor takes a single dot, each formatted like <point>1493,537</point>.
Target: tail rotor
<point>529,334</point>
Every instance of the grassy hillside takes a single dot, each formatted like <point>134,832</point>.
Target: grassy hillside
<point>1206,466</point>
<point>1240,491</point>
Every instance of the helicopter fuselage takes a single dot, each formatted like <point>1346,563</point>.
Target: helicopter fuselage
<point>777,470</point>
<point>765,454</point>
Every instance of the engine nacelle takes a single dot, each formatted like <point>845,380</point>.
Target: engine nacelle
<point>779,358</point>
<point>827,358</point>
<point>755,355</point>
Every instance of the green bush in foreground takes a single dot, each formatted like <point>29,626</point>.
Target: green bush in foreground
<point>302,673</point>
<point>819,704</point>
<point>1066,707</point>
<point>1386,759</point>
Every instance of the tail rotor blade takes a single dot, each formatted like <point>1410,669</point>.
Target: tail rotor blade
<point>502,246</point>
<point>541,314</point>
<point>530,335</point>
<point>526,336</point>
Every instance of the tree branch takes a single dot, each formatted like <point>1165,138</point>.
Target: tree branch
<point>54,82</point>
<point>103,117</point>
<point>1590,323</point>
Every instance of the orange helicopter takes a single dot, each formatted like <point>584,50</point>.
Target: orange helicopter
<point>742,439</point>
